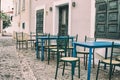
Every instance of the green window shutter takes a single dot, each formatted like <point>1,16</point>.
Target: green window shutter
<point>107,19</point>
<point>39,20</point>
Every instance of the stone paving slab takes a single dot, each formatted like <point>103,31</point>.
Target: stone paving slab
<point>23,65</point>
<point>10,68</point>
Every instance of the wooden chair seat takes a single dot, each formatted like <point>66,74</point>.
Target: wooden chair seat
<point>70,47</point>
<point>69,59</point>
<point>118,58</point>
<point>51,47</point>
<point>83,52</point>
<point>107,61</point>
<point>55,50</point>
<point>63,48</point>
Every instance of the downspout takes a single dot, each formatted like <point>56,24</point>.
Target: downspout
<point>30,16</point>
<point>0,19</point>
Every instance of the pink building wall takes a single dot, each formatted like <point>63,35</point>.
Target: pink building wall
<point>22,17</point>
<point>80,16</point>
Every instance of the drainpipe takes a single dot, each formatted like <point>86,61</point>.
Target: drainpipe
<point>0,19</point>
<point>30,15</point>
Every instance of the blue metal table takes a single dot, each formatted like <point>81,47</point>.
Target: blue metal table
<point>91,45</point>
<point>43,38</point>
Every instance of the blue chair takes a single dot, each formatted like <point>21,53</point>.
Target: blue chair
<point>85,52</point>
<point>62,48</point>
<point>40,43</point>
<point>110,62</point>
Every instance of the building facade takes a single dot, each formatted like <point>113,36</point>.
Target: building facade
<point>7,8</point>
<point>21,18</point>
<point>65,16</point>
<point>55,16</point>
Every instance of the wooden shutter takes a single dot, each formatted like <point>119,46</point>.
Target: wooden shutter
<point>39,21</point>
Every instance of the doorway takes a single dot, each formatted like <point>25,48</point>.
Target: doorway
<point>63,20</point>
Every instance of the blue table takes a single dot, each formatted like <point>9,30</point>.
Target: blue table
<point>91,45</point>
<point>43,38</point>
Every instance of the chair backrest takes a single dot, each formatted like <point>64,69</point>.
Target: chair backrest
<point>39,40</point>
<point>112,51</point>
<point>14,35</point>
<point>20,36</point>
<point>76,38</point>
<point>89,39</point>
<point>32,35</point>
<point>62,45</point>
<point>40,34</point>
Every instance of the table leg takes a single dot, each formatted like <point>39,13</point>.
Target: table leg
<point>89,64</point>
<point>42,50</point>
<point>37,53</point>
<point>106,51</point>
<point>74,55</point>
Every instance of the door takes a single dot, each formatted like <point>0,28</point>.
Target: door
<point>39,20</point>
<point>107,19</point>
<point>63,20</point>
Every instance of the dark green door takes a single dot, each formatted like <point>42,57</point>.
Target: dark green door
<point>39,20</point>
<point>63,20</point>
<point>107,19</point>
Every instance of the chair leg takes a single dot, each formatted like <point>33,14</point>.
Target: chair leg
<point>56,70</point>
<point>22,45</point>
<point>113,69</point>
<point>72,72</point>
<point>110,72</point>
<point>16,45</point>
<point>63,68</point>
<point>79,68</point>
<point>26,45</point>
<point>48,56</point>
<point>19,45</point>
<point>86,62</point>
<point>98,70</point>
<point>93,61</point>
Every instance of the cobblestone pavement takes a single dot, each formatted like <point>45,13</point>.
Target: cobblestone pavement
<point>23,65</point>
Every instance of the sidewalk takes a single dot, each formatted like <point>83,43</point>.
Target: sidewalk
<point>23,65</point>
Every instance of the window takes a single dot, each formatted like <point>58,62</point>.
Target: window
<point>23,25</point>
<point>39,20</point>
<point>11,18</point>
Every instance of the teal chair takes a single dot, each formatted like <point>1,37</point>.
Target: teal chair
<point>85,52</point>
<point>39,44</point>
<point>110,63</point>
<point>21,40</point>
<point>62,48</point>
<point>51,48</point>
<point>32,39</point>
<point>70,46</point>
